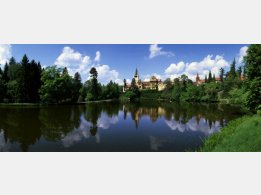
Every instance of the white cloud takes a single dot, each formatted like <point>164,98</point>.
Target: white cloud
<point>175,68</point>
<point>242,54</point>
<point>119,81</point>
<point>209,63</point>
<point>105,74</point>
<point>148,76</point>
<point>5,53</point>
<point>155,50</point>
<point>74,61</point>
<point>98,56</point>
<point>77,62</point>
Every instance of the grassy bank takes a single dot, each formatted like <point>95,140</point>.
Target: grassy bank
<point>240,135</point>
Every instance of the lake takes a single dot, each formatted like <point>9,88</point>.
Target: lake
<point>112,126</point>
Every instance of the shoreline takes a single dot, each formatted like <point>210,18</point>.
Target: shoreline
<point>239,135</point>
<point>119,100</point>
<point>54,104</point>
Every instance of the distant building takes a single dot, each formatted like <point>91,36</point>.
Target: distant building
<point>201,81</point>
<point>198,80</point>
<point>152,84</point>
<point>157,84</point>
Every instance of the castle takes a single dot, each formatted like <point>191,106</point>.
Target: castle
<point>152,84</point>
<point>157,84</point>
<point>201,81</point>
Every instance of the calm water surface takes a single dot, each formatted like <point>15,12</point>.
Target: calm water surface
<point>112,126</point>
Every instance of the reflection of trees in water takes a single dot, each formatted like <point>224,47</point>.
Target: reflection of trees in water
<point>182,112</point>
<point>93,130</point>
<point>27,125</point>
<point>57,121</point>
<point>87,129</point>
<point>20,125</point>
<point>111,108</point>
<point>93,113</point>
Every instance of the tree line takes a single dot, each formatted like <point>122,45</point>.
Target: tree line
<point>240,86</point>
<point>28,82</point>
<point>211,90</point>
<point>20,82</point>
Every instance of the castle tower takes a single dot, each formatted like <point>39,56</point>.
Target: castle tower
<point>136,76</point>
<point>197,78</point>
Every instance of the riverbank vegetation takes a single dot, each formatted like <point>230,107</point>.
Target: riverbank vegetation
<point>240,135</point>
<point>243,134</point>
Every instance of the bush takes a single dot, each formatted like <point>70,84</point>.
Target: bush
<point>253,97</point>
<point>89,97</point>
<point>238,96</point>
<point>130,95</point>
<point>150,94</point>
<point>259,112</point>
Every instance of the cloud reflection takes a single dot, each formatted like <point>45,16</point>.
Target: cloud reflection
<point>202,125</point>
<point>83,131</point>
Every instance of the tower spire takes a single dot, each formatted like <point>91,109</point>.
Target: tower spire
<point>136,72</point>
<point>197,77</point>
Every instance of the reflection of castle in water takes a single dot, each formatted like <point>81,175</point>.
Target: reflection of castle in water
<point>177,120</point>
<point>154,113</point>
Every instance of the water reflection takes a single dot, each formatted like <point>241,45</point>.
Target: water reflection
<point>87,129</point>
<point>23,128</point>
<point>193,124</point>
<point>4,144</point>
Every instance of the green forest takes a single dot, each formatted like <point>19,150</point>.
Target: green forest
<point>28,82</point>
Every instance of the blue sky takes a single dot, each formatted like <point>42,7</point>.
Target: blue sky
<point>118,61</point>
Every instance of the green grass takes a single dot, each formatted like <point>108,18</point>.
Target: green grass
<point>240,135</point>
